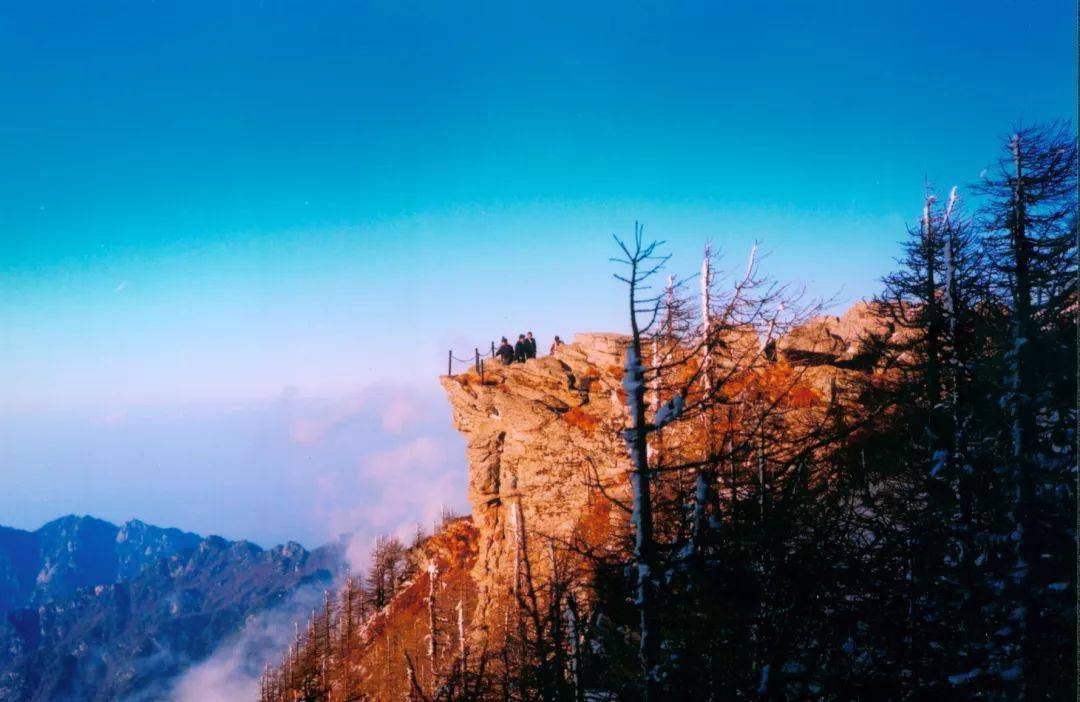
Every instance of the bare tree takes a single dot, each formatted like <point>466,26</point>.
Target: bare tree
<point>643,262</point>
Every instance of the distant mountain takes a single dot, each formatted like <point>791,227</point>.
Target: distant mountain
<point>73,552</point>
<point>116,613</point>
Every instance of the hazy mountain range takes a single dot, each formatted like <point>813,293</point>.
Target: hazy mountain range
<point>93,611</point>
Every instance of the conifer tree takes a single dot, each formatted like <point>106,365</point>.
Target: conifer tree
<point>1030,231</point>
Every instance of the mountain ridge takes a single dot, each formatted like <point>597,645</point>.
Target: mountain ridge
<point>75,551</point>
<point>173,597</point>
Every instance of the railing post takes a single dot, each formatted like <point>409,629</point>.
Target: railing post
<point>477,352</point>
<point>450,362</point>
<point>493,349</point>
<point>481,371</point>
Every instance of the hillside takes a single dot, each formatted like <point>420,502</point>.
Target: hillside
<point>547,475</point>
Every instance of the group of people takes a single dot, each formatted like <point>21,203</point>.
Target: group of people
<point>524,349</point>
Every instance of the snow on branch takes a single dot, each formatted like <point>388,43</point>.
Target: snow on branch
<point>669,412</point>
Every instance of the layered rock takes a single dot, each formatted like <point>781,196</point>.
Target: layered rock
<point>543,447</point>
<point>843,342</point>
<point>544,450</point>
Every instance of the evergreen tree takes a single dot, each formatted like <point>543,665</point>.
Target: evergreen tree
<point>1030,230</point>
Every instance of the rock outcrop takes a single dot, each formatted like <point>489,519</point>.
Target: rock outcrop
<point>548,483</point>
<point>840,342</point>
<point>543,446</point>
<point>543,449</point>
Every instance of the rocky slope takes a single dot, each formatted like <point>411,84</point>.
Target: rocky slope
<point>444,566</point>
<point>171,599</point>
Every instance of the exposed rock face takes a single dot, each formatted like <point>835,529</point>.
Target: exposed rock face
<point>139,544</point>
<point>542,443</point>
<point>837,341</point>
<point>543,439</point>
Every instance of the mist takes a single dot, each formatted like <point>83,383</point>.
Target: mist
<point>360,463</point>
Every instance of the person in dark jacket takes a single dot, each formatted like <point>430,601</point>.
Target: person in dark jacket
<point>530,346</point>
<point>505,352</point>
<point>519,349</point>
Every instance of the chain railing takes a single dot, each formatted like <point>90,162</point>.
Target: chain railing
<point>476,362</point>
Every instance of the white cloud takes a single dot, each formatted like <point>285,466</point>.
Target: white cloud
<point>408,461</point>
<point>402,412</point>
<point>403,486</point>
<point>232,671</point>
<point>114,417</point>
<point>316,422</point>
<point>378,461</point>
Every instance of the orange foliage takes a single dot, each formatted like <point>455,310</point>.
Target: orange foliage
<point>472,377</point>
<point>581,419</point>
<point>776,382</point>
<point>594,526</point>
<point>400,627</point>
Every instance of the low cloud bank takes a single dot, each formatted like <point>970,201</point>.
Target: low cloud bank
<point>380,462</point>
<point>231,673</point>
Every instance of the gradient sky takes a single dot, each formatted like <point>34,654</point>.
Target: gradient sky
<point>220,221</point>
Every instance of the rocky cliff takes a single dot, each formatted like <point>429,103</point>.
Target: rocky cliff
<point>543,447</point>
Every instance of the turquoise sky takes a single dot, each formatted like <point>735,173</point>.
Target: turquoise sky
<point>224,202</point>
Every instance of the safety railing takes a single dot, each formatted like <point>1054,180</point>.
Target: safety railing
<point>476,362</point>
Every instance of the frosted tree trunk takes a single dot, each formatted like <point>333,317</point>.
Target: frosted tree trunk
<point>642,517</point>
<point>933,327</point>
<point>573,631</point>
<point>328,639</point>
<point>1023,427</point>
<point>658,352</point>
<point>433,629</point>
<point>641,262</point>
<point>463,649</point>
<point>955,364</point>
<point>761,472</point>
<point>517,548</point>
<point>703,473</point>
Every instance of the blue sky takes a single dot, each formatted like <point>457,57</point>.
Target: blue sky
<point>205,204</point>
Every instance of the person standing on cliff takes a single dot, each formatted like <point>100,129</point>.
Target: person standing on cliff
<point>555,344</point>
<point>530,346</point>
<point>519,349</point>
<point>505,352</point>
